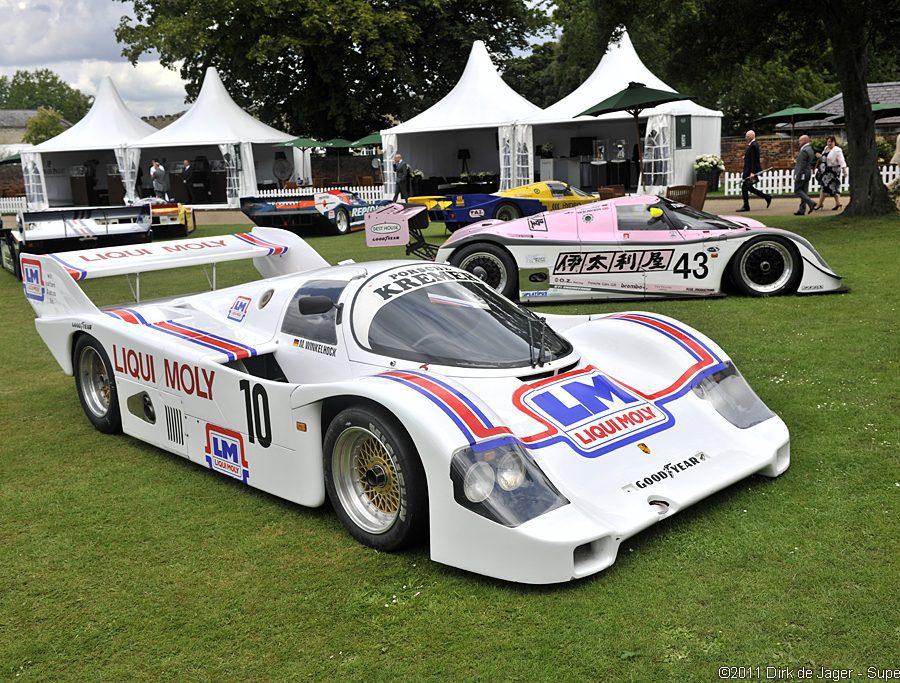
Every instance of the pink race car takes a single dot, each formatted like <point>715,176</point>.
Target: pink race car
<point>637,247</point>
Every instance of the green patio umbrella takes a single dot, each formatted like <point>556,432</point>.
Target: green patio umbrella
<point>881,110</point>
<point>634,99</point>
<point>370,140</point>
<point>339,144</point>
<point>301,143</point>
<point>14,159</point>
<point>791,115</point>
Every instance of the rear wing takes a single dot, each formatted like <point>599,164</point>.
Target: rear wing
<point>80,223</point>
<point>400,224</point>
<point>50,280</point>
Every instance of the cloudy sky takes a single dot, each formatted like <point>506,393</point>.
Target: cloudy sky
<point>75,39</point>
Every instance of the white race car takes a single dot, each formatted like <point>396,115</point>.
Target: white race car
<point>414,396</point>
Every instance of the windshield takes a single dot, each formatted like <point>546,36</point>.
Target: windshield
<point>684,217</point>
<point>460,323</point>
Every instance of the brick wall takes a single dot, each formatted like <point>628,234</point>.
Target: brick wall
<point>773,151</point>
<point>11,182</point>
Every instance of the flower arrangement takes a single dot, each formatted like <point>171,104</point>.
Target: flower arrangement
<point>417,173</point>
<point>709,162</point>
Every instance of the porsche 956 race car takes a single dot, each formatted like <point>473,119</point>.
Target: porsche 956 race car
<point>638,247</point>
<point>414,397</point>
<point>456,211</point>
<point>340,211</point>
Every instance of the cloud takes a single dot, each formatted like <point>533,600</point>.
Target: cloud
<point>76,40</point>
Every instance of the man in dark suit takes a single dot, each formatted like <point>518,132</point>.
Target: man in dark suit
<point>187,176</point>
<point>401,171</point>
<point>806,158</point>
<point>752,168</point>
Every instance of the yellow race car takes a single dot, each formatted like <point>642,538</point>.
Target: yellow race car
<point>462,209</point>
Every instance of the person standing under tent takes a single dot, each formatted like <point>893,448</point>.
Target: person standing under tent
<point>401,172</point>
<point>160,179</point>
<point>752,169</point>
<point>187,175</point>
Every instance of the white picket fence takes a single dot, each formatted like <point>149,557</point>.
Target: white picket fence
<point>781,181</point>
<point>12,204</point>
<point>370,193</point>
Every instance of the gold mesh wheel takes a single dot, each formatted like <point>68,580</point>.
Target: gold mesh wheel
<point>366,479</point>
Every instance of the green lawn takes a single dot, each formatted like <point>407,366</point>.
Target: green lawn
<point>123,562</point>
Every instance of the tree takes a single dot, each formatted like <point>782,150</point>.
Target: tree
<point>43,88</point>
<point>46,124</point>
<point>327,67</point>
<point>749,57</point>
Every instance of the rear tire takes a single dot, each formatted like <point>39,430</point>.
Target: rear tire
<point>507,212</point>
<point>490,263</point>
<point>766,266</point>
<point>96,385</point>
<point>374,478</point>
<point>341,221</point>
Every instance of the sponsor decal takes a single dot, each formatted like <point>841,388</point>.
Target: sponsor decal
<point>537,190</point>
<point>669,471</point>
<point>535,259</point>
<point>317,347</point>
<point>413,278</point>
<point>637,261</point>
<point>274,248</point>
<point>385,228</point>
<point>460,201</point>
<point>239,309</point>
<point>593,411</point>
<point>476,213</point>
<point>33,279</point>
<point>644,448</point>
<point>538,223</point>
<point>811,288</point>
<point>136,364</point>
<point>358,211</point>
<point>189,379</point>
<point>225,452</point>
<point>535,294</point>
<point>82,326</point>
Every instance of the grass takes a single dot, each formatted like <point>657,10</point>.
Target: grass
<point>123,562</point>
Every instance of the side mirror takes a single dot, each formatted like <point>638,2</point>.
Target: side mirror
<point>314,305</point>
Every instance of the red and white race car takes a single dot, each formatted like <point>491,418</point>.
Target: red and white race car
<point>417,399</point>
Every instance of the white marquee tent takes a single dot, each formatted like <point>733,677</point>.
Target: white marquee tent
<point>238,146</point>
<point>668,161</point>
<point>477,115</point>
<point>93,146</point>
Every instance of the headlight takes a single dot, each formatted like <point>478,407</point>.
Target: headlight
<point>733,398</point>
<point>503,484</point>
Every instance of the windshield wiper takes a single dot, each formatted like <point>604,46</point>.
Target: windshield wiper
<point>531,360</point>
<point>540,358</point>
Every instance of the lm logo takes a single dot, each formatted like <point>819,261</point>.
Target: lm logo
<point>33,279</point>
<point>239,309</point>
<point>225,452</point>
<point>594,413</point>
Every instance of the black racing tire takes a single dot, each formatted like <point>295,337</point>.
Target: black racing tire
<point>96,385</point>
<point>492,264</point>
<point>507,212</point>
<point>768,265</point>
<point>374,478</point>
<point>341,221</point>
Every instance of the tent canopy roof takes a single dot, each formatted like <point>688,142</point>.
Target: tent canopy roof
<point>213,119</point>
<point>108,124</point>
<point>616,69</point>
<point>480,99</point>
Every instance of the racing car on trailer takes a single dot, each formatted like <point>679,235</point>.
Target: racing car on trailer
<point>53,230</point>
<point>414,397</point>
<point>340,211</point>
<point>637,247</point>
<point>459,210</point>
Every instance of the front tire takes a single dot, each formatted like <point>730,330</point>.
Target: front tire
<point>341,221</point>
<point>96,385</point>
<point>507,212</point>
<point>490,263</point>
<point>374,479</point>
<point>766,266</point>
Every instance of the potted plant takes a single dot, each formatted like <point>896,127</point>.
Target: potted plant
<point>547,150</point>
<point>708,167</point>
